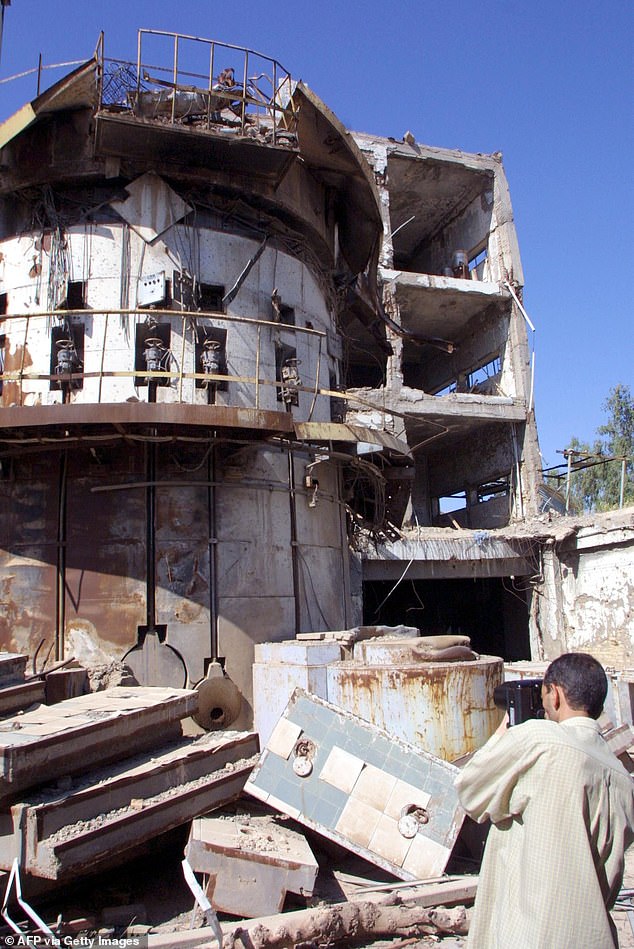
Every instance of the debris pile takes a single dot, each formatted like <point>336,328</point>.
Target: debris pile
<point>85,780</point>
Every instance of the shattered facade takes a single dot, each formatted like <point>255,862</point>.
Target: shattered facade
<point>247,360</point>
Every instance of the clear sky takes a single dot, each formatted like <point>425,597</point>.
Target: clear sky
<point>549,84</point>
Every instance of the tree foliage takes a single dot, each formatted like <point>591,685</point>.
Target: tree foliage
<point>597,487</point>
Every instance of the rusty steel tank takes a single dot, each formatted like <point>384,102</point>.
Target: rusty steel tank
<point>428,696</point>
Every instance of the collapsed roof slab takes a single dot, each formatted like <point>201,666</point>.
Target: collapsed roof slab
<point>439,555</point>
<point>440,306</point>
<point>58,834</point>
<point>430,419</point>
<point>85,731</point>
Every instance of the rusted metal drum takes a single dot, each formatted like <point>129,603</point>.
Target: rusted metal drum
<point>446,708</point>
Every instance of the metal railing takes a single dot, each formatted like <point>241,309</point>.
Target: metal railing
<point>174,374</point>
<point>183,79</point>
<point>188,79</point>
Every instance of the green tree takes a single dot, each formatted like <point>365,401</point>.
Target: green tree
<point>595,484</point>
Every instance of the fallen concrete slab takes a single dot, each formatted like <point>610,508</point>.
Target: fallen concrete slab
<point>252,862</point>
<point>63,831</point>
<point>86,731</point>
<point>386,800</point>
<point>15,692</point>
<point>20,695</point>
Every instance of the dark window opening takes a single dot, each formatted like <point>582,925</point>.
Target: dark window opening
<point>492,611</point>
<point>493,489</point>
<point>477,262</point>
<point>67,356</point>
<point>210,297</point>
<point>359,376</point>
<point>75,296</point>
<point>287,315</point>
<point>4,303</point>
<point>338,404</point>
<point>3,341</point>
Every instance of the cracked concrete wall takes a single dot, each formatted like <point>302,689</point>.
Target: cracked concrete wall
<point>585,601</point>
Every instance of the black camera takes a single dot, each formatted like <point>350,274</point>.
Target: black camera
<point>521,698</point>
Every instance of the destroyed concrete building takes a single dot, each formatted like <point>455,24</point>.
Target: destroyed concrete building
<point>249,362</point>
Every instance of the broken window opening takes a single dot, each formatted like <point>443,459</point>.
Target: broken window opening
<point>210,298</point>
<point>493,489</point>
<point>447,390</point>
<point>492,611</point>
<point>452,502</point>
<point>477,261</point>
<point>75,296</point>
<point>485,377</point>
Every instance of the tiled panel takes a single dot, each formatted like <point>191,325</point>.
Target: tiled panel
<point>374,787</point>
<point>357,782</point>
<point>404,794</point>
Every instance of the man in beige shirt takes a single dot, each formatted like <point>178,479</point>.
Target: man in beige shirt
<point>562,812</point>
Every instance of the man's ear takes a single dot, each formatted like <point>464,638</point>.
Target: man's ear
<point>557,696</point>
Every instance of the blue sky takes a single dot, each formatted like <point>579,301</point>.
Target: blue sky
<point>549,84</point>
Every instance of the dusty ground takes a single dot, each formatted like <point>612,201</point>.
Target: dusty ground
<point>150,893</point>
<point>159,900</point>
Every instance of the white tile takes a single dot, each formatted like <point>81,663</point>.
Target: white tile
<point>358,822</point>
<point>374,787</point>
<point>341,769</point>
<point>283,738</point>
<point>426,858</point>
<point>402,795</point>
<point>387,842</point>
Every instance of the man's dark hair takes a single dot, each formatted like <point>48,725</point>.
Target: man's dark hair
<point>582,679</point>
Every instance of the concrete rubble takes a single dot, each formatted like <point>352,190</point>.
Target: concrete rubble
<point>89,778</point>
<point>251,861</point>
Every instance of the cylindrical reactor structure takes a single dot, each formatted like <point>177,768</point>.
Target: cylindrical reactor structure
<point>245,545</point>
<point>447,708</point>
<point>175,476</point>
